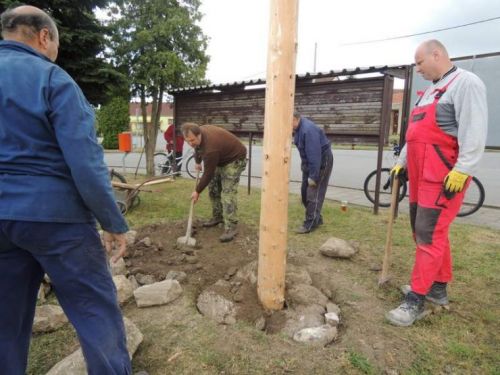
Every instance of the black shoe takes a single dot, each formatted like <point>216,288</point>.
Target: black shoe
<point>212,222</point>
<point>302,230</point>
<point>228,235</point>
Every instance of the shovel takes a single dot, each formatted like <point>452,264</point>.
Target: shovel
<point>388,241</point>
<point>187,239</point>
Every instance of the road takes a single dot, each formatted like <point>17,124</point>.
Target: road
<point>350,168</point>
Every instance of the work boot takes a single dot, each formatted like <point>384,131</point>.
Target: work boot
<point>436,295</point>
<point>228,235</point>
<point>212,222</point>
<point>408,312</point>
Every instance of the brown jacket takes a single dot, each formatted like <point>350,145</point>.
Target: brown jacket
<point>218,148</point>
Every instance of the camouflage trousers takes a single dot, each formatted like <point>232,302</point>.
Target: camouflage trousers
<point>223,190</point>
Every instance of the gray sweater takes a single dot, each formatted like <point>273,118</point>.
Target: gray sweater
<point>463,113</point>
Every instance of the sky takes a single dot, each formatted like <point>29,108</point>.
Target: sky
<point>238,33</point>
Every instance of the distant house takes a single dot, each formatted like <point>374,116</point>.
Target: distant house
<point>136,125</point>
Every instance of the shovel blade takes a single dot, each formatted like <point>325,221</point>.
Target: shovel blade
<point>186,240</point>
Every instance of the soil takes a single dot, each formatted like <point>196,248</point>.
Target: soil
<point>210,260</point>
<point>204,264</point>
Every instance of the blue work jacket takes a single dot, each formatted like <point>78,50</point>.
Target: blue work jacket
<point>51,166</point>
<point>311,143</point>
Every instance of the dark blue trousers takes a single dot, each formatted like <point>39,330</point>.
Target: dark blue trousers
<point>73,257</point>
<point>313,197</point>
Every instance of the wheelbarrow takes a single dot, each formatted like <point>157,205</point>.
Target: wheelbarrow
<point>127,195</point>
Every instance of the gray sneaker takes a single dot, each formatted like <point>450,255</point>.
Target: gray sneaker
<point>228,235</point>
<point>408,312</point>
<point>436,295</point>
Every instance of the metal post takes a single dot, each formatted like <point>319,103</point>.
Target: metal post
<point>250,144</point>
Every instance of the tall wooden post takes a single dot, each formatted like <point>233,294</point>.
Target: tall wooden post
<point>280,91</point>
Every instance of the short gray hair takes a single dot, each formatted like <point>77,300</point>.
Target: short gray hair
<point>190,127</point>
<point>29,24</point>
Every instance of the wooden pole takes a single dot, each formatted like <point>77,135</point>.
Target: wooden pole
<point>280,91</point>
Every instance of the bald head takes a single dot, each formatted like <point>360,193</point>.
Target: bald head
<point>432,60</point>
<point>32,26</point>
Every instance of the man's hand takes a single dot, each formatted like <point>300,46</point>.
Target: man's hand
<point>195,196</point>
<point>311,182</point>
<point>117,242</point>
<point>197,167</point>
<point>397,170</point>
<point>454,182</point>
<point>400,172</point>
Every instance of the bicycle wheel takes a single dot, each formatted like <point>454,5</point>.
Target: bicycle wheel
<point>162,164</point>
<point>385,188</point>
<point>474,198</point>
<point>190,167</point>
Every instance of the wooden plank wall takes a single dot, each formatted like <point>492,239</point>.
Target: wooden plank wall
<point>349,111</point>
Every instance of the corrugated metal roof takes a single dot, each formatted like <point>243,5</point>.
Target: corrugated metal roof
<point>331,73</point>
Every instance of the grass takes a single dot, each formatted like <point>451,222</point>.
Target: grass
<point>361,363</point>
<point>464,341</point>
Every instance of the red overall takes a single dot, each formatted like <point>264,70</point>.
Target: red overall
<point>431,153</point>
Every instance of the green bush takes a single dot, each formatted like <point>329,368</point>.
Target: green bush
<point>112,119</point>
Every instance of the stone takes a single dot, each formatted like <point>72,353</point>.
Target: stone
<point>296,275</point>
<point>145,279</point>
<point>124,288</point>
<point>118,268</point>
<point>158,293</point>
<point>332,319</point>
<point>192,259</point>
<point>248,273</point>
<point>131,235</point>
<point>48,318</point>
<point>337,248</point>
<point>74,364</point>
<point>216,307</point>
<point>260,323</point>
<point>305,318</point>
<point>133,282</point>
<point>146,241</point>
<point>238,297</point>
<point>232,271</point>
<point>176,275</point>
<point>138,254</point>
<point>331,307</point>
<point>303,294</point>
<point>316,336</point>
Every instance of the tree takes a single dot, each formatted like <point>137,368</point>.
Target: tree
<point>113,118</point>
<point>161,46</point>
<point>82,44</point>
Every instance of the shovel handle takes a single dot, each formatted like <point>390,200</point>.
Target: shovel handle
<point>191,209</point>
<point>388,241</point>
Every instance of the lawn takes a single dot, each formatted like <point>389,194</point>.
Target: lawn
<point>464,340</point>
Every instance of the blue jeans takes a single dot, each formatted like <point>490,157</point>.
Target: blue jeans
<point>73,257</point>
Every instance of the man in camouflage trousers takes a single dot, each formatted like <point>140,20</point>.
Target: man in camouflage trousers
<point>224,159</point>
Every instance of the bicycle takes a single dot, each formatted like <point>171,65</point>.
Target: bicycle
<point>473,200</point>
<point>163,164</point>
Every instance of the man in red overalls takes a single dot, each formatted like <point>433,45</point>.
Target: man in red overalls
<point>444,143</point>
